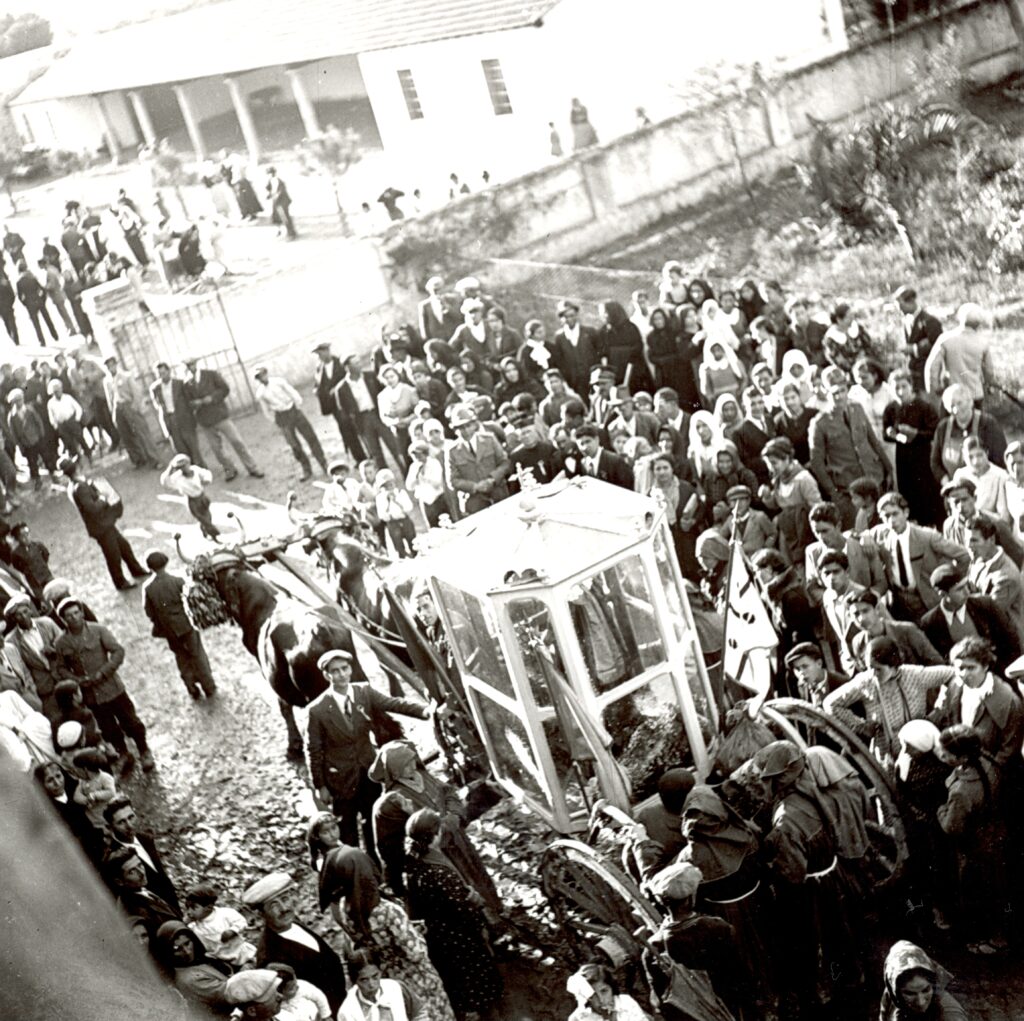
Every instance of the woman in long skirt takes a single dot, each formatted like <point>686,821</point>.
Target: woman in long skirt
<point>453,913</point>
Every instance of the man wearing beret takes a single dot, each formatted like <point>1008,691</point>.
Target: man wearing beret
<point>341,721</point>
<point>287,941</point>
<point>256,993</point>
<point>961,613</point>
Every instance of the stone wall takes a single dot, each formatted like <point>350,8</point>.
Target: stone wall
<point>593,198</point>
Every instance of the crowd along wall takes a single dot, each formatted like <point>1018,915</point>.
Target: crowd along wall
<point>595,197</point>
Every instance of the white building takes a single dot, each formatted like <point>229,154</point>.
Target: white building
<point>440,85</point>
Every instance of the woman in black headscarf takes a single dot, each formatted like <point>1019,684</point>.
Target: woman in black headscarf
<point>698,291</point>
<point>751,303</point>
<point>199,978</point>
<point>624,346</point>
<point>671,351</point>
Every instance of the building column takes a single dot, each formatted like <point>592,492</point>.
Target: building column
<point>108,130</point>
<point>244,115</point>
<point>835,24</point>
<point>191,124</point>
<point>307,111</point>
<point>145,121</point>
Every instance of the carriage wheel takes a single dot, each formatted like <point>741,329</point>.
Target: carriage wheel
<point>804,724</point>
<point>591,898</point>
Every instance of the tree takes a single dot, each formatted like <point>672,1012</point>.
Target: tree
<point>331,153</point>
<point>22,33</point>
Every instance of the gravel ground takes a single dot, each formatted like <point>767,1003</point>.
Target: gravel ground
<point>224,802</point>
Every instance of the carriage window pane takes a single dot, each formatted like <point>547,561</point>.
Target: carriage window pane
<point>513,756</point>
<point>662,551</point>
<point>475,636</point>
<point>616,624</point>
<point>531,622</point>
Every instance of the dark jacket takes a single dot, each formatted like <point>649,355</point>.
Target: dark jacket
<point>432,328</point>
<point>98,515</point>
<point>576,362</point>
<point>321,967</point>
<point>624,347</point>
<point>340,751</point>
<point>26,427</point>
<point>990,621</point>
<point>750,439</point>
<point>209,386</point>
<point>32,558</point>
<point>610,468</point>
<point>795,619</point>
<point>921,337</point>
<point>182,408</point>
<point>157,879</point>
<point>328,376</point>
<point>988,430</point>
<point>163,603</point>
<point>30,292</point>
<point>347,403</point>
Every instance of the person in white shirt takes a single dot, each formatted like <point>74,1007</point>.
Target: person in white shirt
<point>300,1000</point>
<point>186,479</point>
<point>1015,488</point>
<point>394,508</point>
<point>220,929</point>
<point>989,479</point>
<point>341,494</point>
<point>281,403</point>
<point>65,415</point>
<point>425,481</point>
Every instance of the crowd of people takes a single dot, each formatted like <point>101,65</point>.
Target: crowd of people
<point>880,505</point>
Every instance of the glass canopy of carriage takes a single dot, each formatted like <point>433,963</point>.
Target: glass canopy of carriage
<point>571,585</point>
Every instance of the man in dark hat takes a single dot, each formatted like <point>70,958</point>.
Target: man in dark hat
<point>329,373</point>
<point>962,613</point>
<point>576,347</point>
<point>162,600</point>
<point>476,466</point>
<point>812,681</point>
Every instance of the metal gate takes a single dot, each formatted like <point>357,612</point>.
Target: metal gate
<point>199,330</point>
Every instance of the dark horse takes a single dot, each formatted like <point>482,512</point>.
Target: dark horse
<point>285,636</point>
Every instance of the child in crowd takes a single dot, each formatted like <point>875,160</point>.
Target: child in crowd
<point>96,787</point>
<point>341,490</point>
<point>864,496</point>
<point>219,928</point>
<point>366,499</point>
<point>426,482</point>
<point>394,508</point>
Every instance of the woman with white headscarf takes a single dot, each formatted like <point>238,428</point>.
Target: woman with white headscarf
<point>720,372</point>
<point>705,437</point>
<point>796,371</point>
<point>24,733</point>
<point>961,355</point>
<point>716,324</point>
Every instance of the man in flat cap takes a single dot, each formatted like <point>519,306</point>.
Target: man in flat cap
<point>285,940</point>
<point>341,721</point>
<point>256,993</point>
<point>33,640</point>
<point>329,373</point>
<point>962,613</point>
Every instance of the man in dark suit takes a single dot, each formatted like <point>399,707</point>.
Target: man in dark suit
<point>806,333</point>
<point>175,413</point>
<point>595,461</point>
<point>280,205</point>
<point>576,348</point>
<point>100,517</point>
<point>285,940</point>
<point>920,331</point>
<point>961,614</point>
<point>163,603</point>
<point>436,316</point>
<point>356,398</point>
<point>750,436</point>
<point>629,422</point>
<point>7,308</point>
<point>122,832</point>
<point>341,721</point>
<point>207,392</point>
<point>33,297</point>
<point>329,373</point>
<point>873,622</point>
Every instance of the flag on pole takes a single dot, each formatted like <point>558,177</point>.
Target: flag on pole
<point>750,637</point>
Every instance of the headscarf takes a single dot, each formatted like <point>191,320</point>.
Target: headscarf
<point>719,840</point>
<point>709,295</point>
<point>717,328</point>
<point>391,761</point>
<point>843,799</point>
<point>722,401</point>
<point>163,948</point>
<point>793,357</point>
<point>700,451</point>
<point>753,307</point>
<point>350,874</point>
<point>25,734</point>
<point>905,956</point>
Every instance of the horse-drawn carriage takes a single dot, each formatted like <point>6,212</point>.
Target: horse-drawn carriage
<point>576,650</point>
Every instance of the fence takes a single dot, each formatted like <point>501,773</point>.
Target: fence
<point>199,329</point>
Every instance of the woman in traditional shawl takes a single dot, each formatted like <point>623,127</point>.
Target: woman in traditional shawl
<point>704,440</point>
<point>199,978</point>
<point>726,850</point>
<point>796,371</point>
<point>24,733</point>
<point>348,885</point>
<point>728,415</point>
<point>915,988</point>
<point>408,787</point>
<point>454,917</point>
<point>909,422</point>
<point>720,373</point>
<point>624,345</point>
<point>751,303</point>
